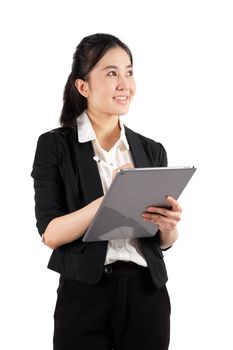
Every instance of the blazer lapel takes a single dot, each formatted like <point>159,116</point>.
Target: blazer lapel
<point>137,150</point>
<point>88,172</point>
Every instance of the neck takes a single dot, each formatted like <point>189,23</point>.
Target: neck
<point>106,128</point>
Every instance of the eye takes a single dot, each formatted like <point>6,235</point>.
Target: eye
<point>130,73</point>
<point>112,73</point>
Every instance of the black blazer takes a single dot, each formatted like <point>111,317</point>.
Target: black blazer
<point>65,179</point>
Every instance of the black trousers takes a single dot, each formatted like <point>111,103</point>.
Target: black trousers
<point>123,312</point>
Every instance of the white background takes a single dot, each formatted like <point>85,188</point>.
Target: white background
<point>184,72</point>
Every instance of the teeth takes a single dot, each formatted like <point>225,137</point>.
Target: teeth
<point>121,98</point>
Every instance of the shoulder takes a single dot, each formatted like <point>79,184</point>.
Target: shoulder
<point>149,142</point>
<point>58,131</point>
<point>146,141</point>
<point>154,149</point>
<point>53,136</point>
<point>51,144</point>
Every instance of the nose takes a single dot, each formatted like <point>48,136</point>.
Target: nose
<point>122,84</point>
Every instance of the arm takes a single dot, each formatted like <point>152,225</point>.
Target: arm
<point>54,221</point>
<point>67,228</point>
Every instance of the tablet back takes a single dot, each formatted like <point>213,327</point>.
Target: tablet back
<point>131,192</point>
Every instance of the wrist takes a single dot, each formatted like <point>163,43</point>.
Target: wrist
<point>168,238</point>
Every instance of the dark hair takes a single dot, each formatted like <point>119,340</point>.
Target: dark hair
<point>89,51</point>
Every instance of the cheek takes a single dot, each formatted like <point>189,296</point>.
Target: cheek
<point>133,87</point>
<point>103,89</point>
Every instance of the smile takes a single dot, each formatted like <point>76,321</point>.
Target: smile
<point>121,98</point>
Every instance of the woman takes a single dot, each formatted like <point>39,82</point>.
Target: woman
<point>111,294</point>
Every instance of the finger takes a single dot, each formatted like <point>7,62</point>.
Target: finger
<point>158,210</point>
<point>175,215</point>
<point>173,203</point>
<point>114,173</point>
<point>164,223</point>
<point>159,220</point>
<point>126,166</point>
<point>169,214</point>
<point>155,218</point>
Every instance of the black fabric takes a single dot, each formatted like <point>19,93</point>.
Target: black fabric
<point>124,311</point>
<point>65,179</point>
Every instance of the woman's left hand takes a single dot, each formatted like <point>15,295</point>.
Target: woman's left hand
<point>166,219</point>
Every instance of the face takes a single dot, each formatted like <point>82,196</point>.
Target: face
<point>110,86</point>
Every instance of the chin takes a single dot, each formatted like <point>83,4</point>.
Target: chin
<point>121,110</point>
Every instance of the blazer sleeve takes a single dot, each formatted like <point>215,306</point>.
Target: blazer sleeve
<point>50,200</point>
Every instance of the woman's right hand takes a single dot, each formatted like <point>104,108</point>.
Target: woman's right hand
<point>124,166</point>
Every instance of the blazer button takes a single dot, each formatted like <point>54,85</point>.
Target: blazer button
<point>108,270</point>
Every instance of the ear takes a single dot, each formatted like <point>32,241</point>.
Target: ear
<point>82,87</point>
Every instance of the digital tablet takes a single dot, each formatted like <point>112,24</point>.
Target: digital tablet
<point>131,192</point>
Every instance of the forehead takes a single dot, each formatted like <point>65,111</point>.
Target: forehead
<point>114,57</point>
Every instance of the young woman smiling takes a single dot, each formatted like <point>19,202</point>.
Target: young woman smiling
<point>111,294</point>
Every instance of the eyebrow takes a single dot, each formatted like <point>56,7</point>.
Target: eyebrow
<point>115,67</point>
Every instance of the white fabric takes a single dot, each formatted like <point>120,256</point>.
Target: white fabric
<point>119,154</point>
